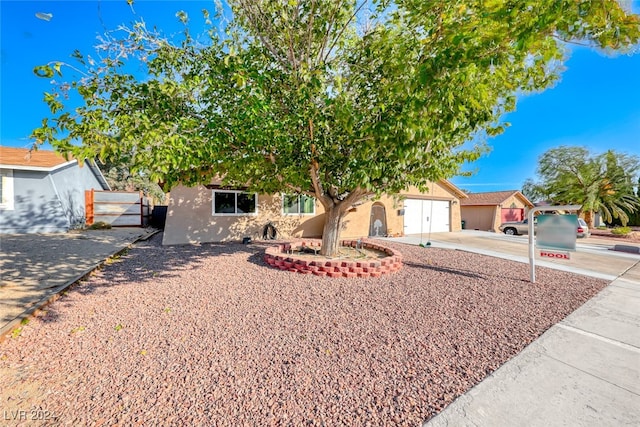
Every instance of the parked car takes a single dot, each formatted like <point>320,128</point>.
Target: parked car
<point>583,228</point>
<point>522,227</point>
<point>513,228</point>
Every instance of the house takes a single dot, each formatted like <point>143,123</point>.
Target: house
<point>486,211</point>
<point>42,192</point>
<point>214,214</point>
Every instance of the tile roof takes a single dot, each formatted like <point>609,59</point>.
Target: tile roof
<point>493,198</point>
<point>11,156</point>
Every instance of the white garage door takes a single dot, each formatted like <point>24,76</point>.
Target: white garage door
<point>424,216</point>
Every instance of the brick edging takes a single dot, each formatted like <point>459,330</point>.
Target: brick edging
<point>278,257</point>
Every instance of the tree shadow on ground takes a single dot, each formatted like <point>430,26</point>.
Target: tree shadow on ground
<point>147,262</point>
<point>459,272</point>
<point>35,268</point>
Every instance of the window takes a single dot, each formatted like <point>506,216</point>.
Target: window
<point>6,189</point>
<point>298,204</point>
<point>234,203</point>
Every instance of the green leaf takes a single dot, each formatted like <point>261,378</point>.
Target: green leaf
<point>43,71</point>
<point>289,94</point>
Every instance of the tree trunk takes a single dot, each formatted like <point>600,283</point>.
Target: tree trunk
<point>588,218</point>
<point>331,231</point>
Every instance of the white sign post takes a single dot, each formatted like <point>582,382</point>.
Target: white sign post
<point>560,228</point>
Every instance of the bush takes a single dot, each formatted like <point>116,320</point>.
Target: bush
<point>100,225</point>
<point>621,231</point>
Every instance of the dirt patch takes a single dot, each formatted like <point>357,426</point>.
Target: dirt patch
<point>209,335</point>
<point>344,253</point>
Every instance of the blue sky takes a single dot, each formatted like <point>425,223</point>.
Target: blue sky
<point>596,104</point>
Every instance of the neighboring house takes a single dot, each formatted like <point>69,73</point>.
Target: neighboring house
<point>486,211</point>
<point>42,192</point>
<point>214,214</point>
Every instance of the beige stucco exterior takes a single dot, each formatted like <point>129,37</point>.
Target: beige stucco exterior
<point>190,216</point>
<point>489,217</point>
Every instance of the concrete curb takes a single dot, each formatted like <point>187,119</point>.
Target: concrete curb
<point>627,248</point>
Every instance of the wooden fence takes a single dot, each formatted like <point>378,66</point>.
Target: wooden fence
<point>118,208</point>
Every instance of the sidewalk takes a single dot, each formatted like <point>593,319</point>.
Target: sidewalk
<point>34,268</point>
<point>584,371</point>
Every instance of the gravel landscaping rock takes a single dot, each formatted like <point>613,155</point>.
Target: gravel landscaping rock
<point>209,335</point>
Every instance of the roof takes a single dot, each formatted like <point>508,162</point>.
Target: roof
<point>493,198</point>
<point>458,192</point>
<point>44,161</point>
<point>23,158</point>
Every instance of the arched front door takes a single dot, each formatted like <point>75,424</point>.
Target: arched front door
<point>378,222</point>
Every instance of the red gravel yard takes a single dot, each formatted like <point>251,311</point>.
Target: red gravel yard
<point>210,335</point>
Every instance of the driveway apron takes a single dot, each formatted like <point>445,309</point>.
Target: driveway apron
<point>36,267</point>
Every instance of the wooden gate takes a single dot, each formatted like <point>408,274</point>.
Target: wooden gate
<point>118,208</point>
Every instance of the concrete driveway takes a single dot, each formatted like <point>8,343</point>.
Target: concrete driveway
<point>594,256</point>
<point>36,267</point>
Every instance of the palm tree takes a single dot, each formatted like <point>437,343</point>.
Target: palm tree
<point>603,183</point>
<point>615,195</point>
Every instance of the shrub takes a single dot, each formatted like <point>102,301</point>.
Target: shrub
<point>100,225</point>
<point>621,231</point>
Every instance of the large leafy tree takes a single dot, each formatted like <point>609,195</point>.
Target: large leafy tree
<point>600,183</point>
<point>120,177</point>
<point>341,100</point>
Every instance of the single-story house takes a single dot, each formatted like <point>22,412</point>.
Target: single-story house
<point>42,192</point>
<point>215,214</point>
<point>486,211</point>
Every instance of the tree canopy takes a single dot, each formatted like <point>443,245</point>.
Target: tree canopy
<point>341,100</point>
<point>120,177</point>
<point>601,183</point>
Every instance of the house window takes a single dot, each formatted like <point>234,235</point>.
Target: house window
<point>6,189</point>
<point>298,204</point>
<point>234,203</point>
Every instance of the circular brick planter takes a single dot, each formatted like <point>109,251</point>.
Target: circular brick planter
<point>279,256</point>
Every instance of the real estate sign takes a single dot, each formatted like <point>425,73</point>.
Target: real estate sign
<point>557,232</point>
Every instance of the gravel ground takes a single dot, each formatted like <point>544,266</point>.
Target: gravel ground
<point>208,335</point>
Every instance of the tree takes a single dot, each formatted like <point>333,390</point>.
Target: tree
<point>120,177</point>
<point>633,214</point>
<point>340,100</point>
<point>600,183</point>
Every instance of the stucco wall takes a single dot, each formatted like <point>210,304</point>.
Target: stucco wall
<point>48,202</point>
<point>358,221</point>
<point>36,207</point>
<point>514,202</point>
<point>70,183</point>
<point>190,218</point>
